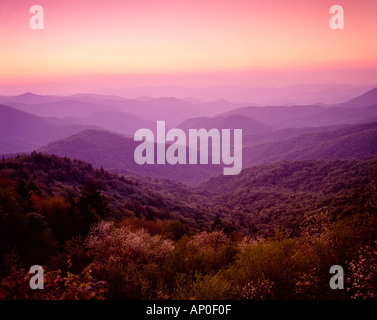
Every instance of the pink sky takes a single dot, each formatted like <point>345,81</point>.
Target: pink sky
<point>97,43</point>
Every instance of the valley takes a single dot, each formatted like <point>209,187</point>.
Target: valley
<point>73,197</point>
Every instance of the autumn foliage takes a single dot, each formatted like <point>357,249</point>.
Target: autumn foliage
<point>97,239</point>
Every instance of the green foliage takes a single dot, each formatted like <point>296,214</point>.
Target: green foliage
<point>273,232</point>
<point>207,287</point>
<point>56,286</point>
<point>285,193</point>
<point>97,193</point>
<point>174,230</point>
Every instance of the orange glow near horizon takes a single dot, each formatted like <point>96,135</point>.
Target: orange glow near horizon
<point>157,37</point>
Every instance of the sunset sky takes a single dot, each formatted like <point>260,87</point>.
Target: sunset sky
<point>96,43</point>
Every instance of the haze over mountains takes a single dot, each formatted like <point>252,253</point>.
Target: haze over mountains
<point>21,131</point>
<point>361,109</point>
<point>308,177</point>
<point>234,121</point>
<point>113,151</point>
<point>99,129</point>
<point>261,96</point>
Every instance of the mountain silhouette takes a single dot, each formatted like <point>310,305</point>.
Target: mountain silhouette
<point>234,121</point>
<point>113,151</point>
<point>365,100</point>
<point>28,131</point>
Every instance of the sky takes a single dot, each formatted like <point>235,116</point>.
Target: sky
<point>88,44</point>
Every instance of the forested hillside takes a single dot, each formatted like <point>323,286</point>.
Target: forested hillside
<point>345,143</point>
<point>50,177</point>
<point>285,193</point>
<point>113,151</point>
<point>270,233</point>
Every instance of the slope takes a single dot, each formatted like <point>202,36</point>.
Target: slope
<point>236,121</point>
<point>285,193</point>
<point>21,131</point>
<point>350,142</point>
<point>126,197</point>
<point>113,151</point>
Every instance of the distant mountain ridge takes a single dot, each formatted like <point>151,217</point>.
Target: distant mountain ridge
<point>261,96</point>
<point>21,131</point>
<point>62,108</point>
<point>234,121</point>
<point>24,128</point>
<point>361,109</point>
<point>120,122</point>
<point>347,143</point>
<point>365,100</point>
<point>277,116</point>
<point>113,151</point>
<point>176,110</point>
